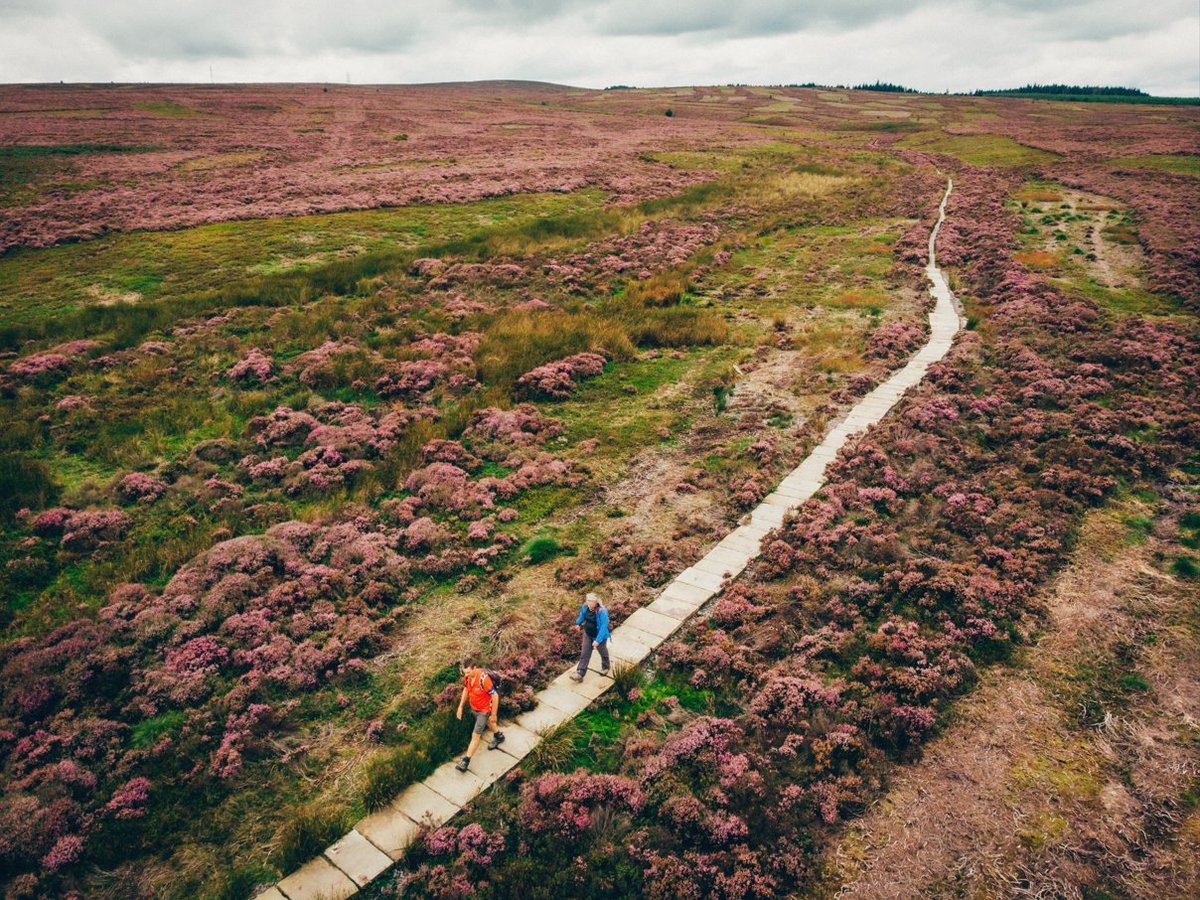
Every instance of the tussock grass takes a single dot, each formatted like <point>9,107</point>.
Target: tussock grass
<point>387,775</point>
<point>440,737</point>
<point>308,831</point>
<point>518,341</point>
<point>557,747</point>
<point>627,678</point>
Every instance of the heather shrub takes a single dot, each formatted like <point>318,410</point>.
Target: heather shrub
<point>563,806</point>
<point>557,380</point>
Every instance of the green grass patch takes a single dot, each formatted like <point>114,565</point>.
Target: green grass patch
<point>170,110</point>
<point>31,151</point>
<point>1123,300</point>
<point>978,149</point>
<point>1175,163</point>
<point>541,548</point>
<point>307,832</point>
<point>1185,567</point>
<point>600,726</point>
<point>36,285</point>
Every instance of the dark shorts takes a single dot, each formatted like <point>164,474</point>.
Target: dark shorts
<point>481,720</point>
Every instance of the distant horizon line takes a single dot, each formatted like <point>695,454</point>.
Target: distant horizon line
<point>558,85</point>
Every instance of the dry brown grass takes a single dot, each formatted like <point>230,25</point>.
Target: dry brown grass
<point>1035,196</point>
<point>1039,259</point>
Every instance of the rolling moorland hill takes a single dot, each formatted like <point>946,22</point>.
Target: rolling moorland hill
<point>309,390</point>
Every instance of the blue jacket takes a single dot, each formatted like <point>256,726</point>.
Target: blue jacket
<point>601,622</point>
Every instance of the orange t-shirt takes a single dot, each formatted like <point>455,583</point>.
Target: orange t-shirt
<point>479,689</point>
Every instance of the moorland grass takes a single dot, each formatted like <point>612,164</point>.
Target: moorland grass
<point>977,149</point>
<point>1175,163</point>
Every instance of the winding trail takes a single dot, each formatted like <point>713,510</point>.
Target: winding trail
<point>378,840</point>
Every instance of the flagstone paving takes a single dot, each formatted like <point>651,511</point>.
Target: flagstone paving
<point>379,839</point>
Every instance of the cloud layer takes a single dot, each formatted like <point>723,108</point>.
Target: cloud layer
<point>932,45</point>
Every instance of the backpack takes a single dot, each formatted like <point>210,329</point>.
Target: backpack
<point>497,681</point>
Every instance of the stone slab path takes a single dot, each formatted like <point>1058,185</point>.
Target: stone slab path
<point>378,840</point>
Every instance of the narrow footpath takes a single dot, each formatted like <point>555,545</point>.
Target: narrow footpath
<point>377,841</point>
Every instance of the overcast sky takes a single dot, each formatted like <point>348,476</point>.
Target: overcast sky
<point>933,45</point>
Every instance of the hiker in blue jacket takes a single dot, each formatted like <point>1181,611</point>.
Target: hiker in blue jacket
<point>592,626</point>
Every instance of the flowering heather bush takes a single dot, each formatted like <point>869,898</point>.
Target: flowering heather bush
<point>93,529</point>
<point>74,402</point>
<point>445,360</point>
<point>325,366</point>
<point>254,366</point>
<point>894,342</point>
<point>557,380</point>
<point>655,246</point>
<point>283,427</point>
<point>41,368</point>
<point>138,487</point>
<point>563,805</point>
<point>493,432</point>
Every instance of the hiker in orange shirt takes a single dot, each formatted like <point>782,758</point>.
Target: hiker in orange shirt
<point>480,689</point>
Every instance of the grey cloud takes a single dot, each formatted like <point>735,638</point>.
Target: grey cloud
<point>930,44</point>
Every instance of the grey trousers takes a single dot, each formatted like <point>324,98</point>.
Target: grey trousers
<point>585,652</point>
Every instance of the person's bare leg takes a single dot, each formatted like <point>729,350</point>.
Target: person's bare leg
<point>474,745</point>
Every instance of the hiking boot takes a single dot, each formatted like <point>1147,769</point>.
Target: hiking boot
<point>464,764</point>
<point>576,677</point>
<point>496,741</point>
<point>604,671</point>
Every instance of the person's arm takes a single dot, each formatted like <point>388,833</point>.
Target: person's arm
<point>461,702</point>
<point>602,632</point>
<point>579,618</point>
<point>495,707</point>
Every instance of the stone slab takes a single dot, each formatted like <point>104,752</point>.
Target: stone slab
<point>687,593</point>
<point>357,857</point>
<point>653,623</point>
<point>318,879</point>
<point>770,515</point>
<point>460,788</point>
<point>675,609</point>
<point>271,893</point>
<point>390,830</point>
<point>736,540</point>
<point>710,581</point>
<point>589,688</point>
<point>795,491</point>
<point>560,697</point>
<point>725,561</point>
<point>422,804</point>
<point>631,634</point>
<point>593,669</point>
<point>779,501</point>
<point>518,741</point>
<point>488,765</point>
<point>755,531</point>
<point>542,718</point>
<point>625,652</point>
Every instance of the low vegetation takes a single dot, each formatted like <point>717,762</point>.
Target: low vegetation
<point>264,481</point>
